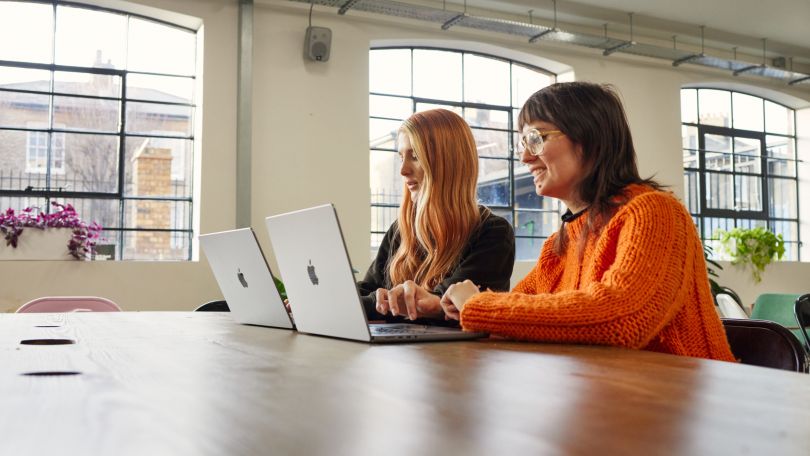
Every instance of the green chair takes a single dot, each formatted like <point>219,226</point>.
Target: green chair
<point>802,310</point>
<point>778,307</point>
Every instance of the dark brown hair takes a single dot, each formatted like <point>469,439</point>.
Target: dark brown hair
<point>591,115</point>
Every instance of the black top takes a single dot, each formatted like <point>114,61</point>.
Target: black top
<point>487,260</point>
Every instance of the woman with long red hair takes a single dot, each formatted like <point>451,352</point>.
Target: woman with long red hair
<point>441,235</point>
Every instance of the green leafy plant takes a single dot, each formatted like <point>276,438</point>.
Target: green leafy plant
<point>712,267</point>
<point>752,247</point>
<point>280,287</point>
<point>708,252</point>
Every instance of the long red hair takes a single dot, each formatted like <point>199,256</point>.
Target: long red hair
<point>435,229</point>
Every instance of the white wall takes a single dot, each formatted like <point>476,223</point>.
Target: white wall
<point>310,142</point>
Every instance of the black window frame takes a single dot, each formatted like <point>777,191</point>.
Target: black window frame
<point>739,218</point>
<point>510,210</point>
<point>49,193</point>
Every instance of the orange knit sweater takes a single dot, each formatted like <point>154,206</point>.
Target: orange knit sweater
<point>641,283</point>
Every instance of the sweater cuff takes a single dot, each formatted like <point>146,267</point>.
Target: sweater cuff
<point>478,310</point>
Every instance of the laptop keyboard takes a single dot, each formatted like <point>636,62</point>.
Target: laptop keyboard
<point>393,329</point>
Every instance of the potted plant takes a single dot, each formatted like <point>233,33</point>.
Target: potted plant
<point>83,236</point>
<point>711,265</point>
<point>752,247</point>
<point>708,253</point>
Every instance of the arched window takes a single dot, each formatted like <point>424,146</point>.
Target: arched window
<point>96,110</point>
<point>739,159</point>
<point>487,92</point>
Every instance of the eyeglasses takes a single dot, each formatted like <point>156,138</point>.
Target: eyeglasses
<point>533,141</point>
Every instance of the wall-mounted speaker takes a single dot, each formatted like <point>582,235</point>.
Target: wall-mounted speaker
<point>318,43</point>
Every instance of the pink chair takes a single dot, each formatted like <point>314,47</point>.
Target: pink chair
<point>69,304</point>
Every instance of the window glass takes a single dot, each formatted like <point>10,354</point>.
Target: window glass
<point>390,71</point>
<point>491,143</point>
<point>788,230</point>
<point>167,162</point>
<point>781,193</point>
<point>19,109</point>
<point>146,245</point>
<point>425,106</point>
<point>525,82</point>
<point>690,144</point>
<point>383,134</point>
<point>691,182</point>
<point>160,88</point>
<point>718,152</point>
<point>493,182</point>
<point>36,147</point>
<point>390,107</point>
<point>92,163</point>
<point>689,112</point>
<point>79,83</point>
<point>747,155</point>
<point>536,223</point>
<point>720,191</point>
<point>487,118</point>
<point>175,120</point>
<point>29,23</point>
<point>381,219</point>
<point>748,113</point>
<point>87,114</point>
<point>384,177</point>
<point>528,248</point>
<point>749,193</point>
<point>751,223</point>
<point>157,48</point>
<point>714,107</point>
<point>14,78</point>
<point>103,211</point>
<point>781,156</point>
<point>437,74</point>
<point>713,225</point>
<point>103,45</point>
<point>778,119</point>
<point>486,80</point>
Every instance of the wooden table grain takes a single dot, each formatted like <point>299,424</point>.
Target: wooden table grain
<point>156,383</point>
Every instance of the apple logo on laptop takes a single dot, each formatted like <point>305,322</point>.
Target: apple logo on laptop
<point>311,271</point>
<point>241,278</point>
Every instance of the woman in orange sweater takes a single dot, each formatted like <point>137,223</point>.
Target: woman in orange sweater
<point>626,267</point>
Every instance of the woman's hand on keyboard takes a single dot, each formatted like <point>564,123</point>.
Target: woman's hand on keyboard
<point>413,301</point>
<point>382,300</point>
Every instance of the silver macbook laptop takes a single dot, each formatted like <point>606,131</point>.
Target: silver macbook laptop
<point>317,273</point>
<point>244,278</point>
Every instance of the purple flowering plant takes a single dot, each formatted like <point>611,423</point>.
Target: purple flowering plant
<point>84,237</point>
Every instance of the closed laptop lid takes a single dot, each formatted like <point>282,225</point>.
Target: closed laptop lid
<point>317,274</point>
<point>244,278</point>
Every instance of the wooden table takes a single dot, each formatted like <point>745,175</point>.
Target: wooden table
<point>199,384</point>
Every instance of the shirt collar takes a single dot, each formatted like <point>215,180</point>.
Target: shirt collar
<point>570,216</point>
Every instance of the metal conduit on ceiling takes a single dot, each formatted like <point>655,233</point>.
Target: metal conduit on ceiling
<point>534,32</point>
